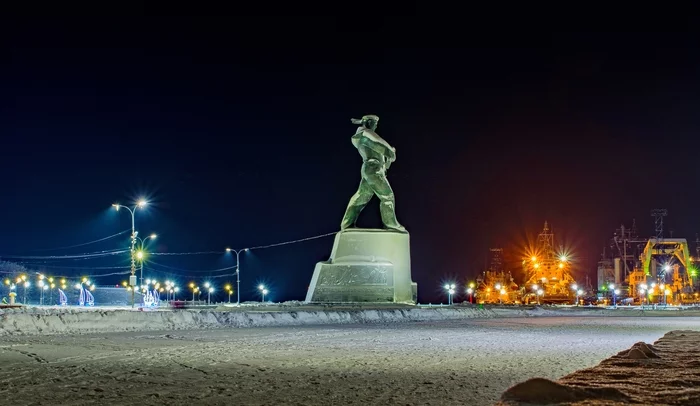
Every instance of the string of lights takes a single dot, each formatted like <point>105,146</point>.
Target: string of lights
<point>83,244</point>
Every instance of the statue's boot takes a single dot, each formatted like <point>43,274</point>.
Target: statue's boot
<point>386,208</point>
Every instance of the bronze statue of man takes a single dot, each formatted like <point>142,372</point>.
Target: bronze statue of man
<point>377,156</point>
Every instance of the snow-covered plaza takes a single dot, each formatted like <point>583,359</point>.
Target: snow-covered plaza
<point>446,362</point>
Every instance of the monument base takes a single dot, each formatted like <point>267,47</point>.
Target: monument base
<point>366,266</point>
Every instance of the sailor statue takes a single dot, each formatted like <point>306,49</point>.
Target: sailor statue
<point>377,156</point>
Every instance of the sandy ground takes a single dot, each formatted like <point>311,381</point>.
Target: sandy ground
<point>666,372</point>
<point>469,362</point>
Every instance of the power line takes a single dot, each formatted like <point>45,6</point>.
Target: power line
<point>260,247</point>
<point>74,267</point>
<point>228,275</point>
<point>188,253</point>
<point>83,244</point>
<point>96,254</point>
<point>125,272</point>
<point>192,270</point>
<point>42,261</point>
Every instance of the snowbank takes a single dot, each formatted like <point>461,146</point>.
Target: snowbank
<point>33,321</point>
<point>82,320</point>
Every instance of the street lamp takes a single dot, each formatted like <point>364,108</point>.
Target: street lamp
<point>132,279</point>
<point>238,272</point>
<point>26,285</point>
<point>450,288</point>
<point>615,293</point>
<point>141,251</point>
<point>228,290</point>
<point>540,292</point>
<point>209,292</point>
<point>579,293</point>
<point>42,285</point>
<point>471,292</point>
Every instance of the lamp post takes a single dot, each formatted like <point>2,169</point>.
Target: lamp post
<point>540,292</point>
<point>153,236</point>
<point>579,293</point>
<point>263,291</point>
<point>238,272</point>
<point>209,289</point>
<point>26,285</point>
<point>51,287</point>
<point>132,280</point>
<point>229,291</point>
<point>615,293</point>
<point>195,289</point>
<point>450,288</point>
<point>41,288</point>
<point>471,292</point>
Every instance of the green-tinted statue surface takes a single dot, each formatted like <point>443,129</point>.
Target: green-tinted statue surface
<point>377,156</point>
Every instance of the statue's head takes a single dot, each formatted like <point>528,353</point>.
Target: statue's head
<point>369,121</point>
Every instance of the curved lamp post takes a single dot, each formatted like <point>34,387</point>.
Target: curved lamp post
<point>238,272</point>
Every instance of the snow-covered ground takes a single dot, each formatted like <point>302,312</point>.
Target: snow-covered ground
<point>445,362</point>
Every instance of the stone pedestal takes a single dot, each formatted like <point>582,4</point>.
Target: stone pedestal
<point>366,265</point>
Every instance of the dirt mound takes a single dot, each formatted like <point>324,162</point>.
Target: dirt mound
<point>539,391</point>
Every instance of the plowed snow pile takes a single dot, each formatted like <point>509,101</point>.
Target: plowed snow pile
<point>33,321</point>
<point>666,373</point>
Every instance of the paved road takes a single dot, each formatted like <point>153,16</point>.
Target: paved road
<point>437,363</point>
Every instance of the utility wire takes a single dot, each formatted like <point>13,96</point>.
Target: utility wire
<point>191,270</point>
<point>188,253</point>
<point>75,267</point>
<point>227,275</point>
<point>85,243</point>
<point>42,261</point>
<point>260,247</point>
<point>75,256</point>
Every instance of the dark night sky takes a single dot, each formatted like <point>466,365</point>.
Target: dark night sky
<point>238,131</point>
